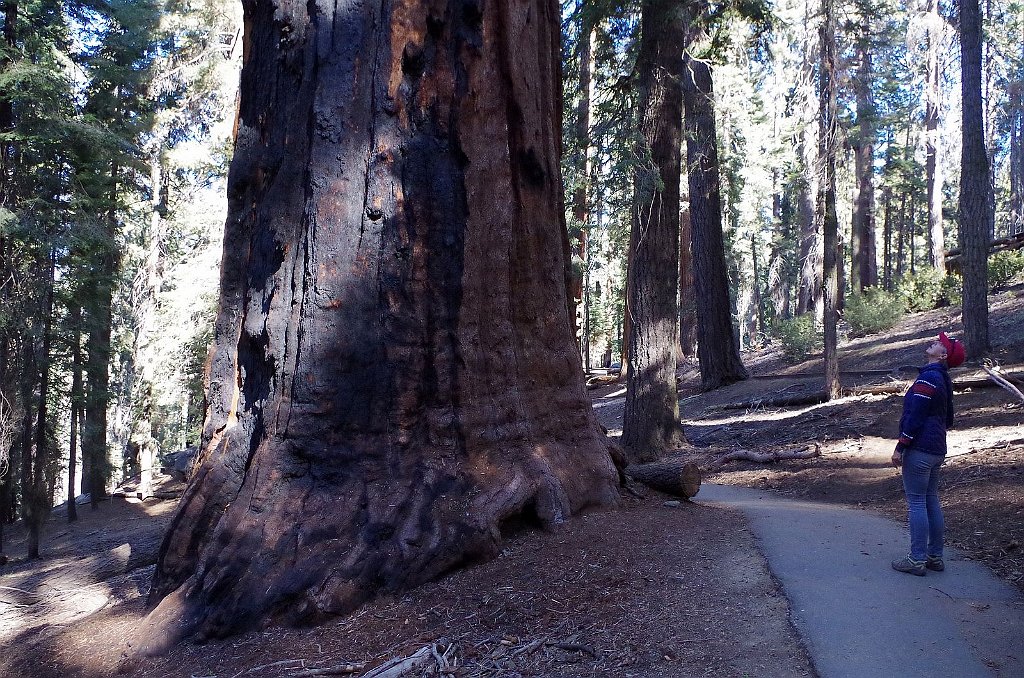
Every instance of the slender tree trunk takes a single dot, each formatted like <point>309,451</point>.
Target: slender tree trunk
<point>1016,224</point>
<point>393,372</point>
<point>933,145</point>
<point>887,239</point>
<point>975,188</point>
<point>10,15</point>
<point>39,492</point>
<point>809,297</point>
<point>864,268</point>
<point>827,196</point>
<point>717,347</point>
<point>76,405</point>
<point>687,287</point>
<point>651,419</point>
<point>581,194</point>
<point>94,432</point>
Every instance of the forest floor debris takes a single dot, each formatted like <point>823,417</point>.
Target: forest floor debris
<point>654,589</point>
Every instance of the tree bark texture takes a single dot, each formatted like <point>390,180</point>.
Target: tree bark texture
<point>1016,224</point>
<point>864,265</point>
<point>687,291</point>
<point>827,196</point>
<point>75,318</point>
<point>975,186</point>
<point>809,293</point>
<point>933,145</point>
<point>581,193</point>
<point>676,476</point>
<point>717,347</point>
<point>101,296</point>
<point>393,373</point>
<point>651,419</point>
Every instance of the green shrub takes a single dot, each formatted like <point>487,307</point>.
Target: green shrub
<point>952,290</point>
<point>921,290</point>
<point>799,337</point>
<point>1004,266</point>
<point>873,311</point>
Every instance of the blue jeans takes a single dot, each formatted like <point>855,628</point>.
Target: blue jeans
<point>921,485</point>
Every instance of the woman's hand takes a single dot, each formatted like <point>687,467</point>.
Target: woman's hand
<point>897,457</point>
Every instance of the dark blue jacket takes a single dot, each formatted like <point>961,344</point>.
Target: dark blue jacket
<point>927,411</point>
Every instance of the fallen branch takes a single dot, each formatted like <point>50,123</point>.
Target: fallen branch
<point>806,452</point>
<point>677,477</point>
<point>340,670</point>
<point>399,666</point>
<point>815,398</point>
<point>1002,381</point>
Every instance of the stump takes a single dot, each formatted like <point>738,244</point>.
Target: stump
<point>677,477</point>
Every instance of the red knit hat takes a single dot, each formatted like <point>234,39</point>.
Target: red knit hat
<point>955,353</point>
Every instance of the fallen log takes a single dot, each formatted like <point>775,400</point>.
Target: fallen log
<point>676,477</point>
<point>806,452</point>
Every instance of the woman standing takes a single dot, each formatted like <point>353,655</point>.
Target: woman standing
<point>927,413</point>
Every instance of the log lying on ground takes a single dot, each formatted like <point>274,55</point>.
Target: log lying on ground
<point>806,452</point>
<point>677,477</point>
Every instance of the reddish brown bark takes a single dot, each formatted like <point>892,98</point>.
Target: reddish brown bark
<point>651,417</point>
<point>717,343</point>
<point>393,372</point>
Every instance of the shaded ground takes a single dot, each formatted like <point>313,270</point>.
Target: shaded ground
<point>651,590</point>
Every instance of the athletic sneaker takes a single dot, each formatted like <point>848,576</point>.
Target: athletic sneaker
<point>935,563</point>
<point>910,566</point>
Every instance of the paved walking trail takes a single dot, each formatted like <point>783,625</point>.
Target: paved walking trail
<point>860,618</point>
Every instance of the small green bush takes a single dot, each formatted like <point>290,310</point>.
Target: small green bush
<point>873,311</point>
<point>921,290</point>
<point>1003,267</point>
<point>799,338</point>
<point>952,290</point>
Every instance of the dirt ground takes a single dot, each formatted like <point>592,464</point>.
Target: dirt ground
<point>655,588</point>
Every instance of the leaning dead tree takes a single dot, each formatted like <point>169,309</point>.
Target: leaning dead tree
<point>393,373</point>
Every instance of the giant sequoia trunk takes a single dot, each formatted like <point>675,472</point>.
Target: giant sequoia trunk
<point>717,346</point>
<point>650,422</point>
<point>393,373</point>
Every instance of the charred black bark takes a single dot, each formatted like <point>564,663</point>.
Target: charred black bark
<point>393,372</point>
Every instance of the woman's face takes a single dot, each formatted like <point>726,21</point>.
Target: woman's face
<point>936,351</point>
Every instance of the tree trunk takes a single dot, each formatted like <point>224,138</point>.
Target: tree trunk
<point>1016,224</point>
<point>393,373</point>
<point>809,294</point>
<point>651,420</point>
<point>687,291</point>
<point>975,187</point>
<point>933,145</point>
<point>76,405</point>
<point>717,348</point>
<point>38,493</point>
<point>827,196</point>
<point>864,265</point>
<point>581,193</point>
<point>100,300</point>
